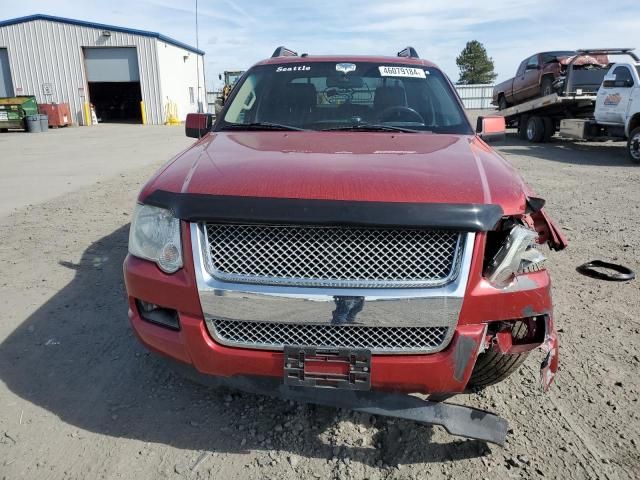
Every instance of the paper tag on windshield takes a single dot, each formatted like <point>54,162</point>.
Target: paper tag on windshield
<point>402,72</point>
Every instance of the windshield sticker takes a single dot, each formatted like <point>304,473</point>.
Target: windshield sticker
<point>402,72</point>
<point>297,68</point>
<point>346,67</point>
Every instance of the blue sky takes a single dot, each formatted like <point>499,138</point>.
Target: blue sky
<point>237,33</point>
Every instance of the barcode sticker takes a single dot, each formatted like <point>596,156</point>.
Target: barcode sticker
<point>402,72</point>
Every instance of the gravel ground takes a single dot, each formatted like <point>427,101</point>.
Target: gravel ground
<point>80,398</point>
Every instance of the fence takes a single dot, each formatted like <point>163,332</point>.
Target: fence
<point>476,97</point>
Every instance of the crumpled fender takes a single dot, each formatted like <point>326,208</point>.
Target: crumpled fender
<point>549,232</point>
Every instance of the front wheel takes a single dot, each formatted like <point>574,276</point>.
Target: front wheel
<point>493,367</point>
<point>633,145</point>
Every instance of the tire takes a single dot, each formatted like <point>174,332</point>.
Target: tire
<point>546,87</point>
<point>633,146</point>
<point>502,103</point>
<point>535,129</point>
<point>493,367</point>
<point>522,127</point>
<point>549,129</point>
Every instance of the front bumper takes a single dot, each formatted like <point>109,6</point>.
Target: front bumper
<point>446,371</point>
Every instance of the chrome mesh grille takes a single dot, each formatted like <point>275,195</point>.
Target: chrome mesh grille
<point>274,335</point>
<point>332,256</point>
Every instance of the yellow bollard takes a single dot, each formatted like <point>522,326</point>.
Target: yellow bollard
<point>87,114</point>
<point>143,113</point>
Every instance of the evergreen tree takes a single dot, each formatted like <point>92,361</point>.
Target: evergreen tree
<point>475,65</point>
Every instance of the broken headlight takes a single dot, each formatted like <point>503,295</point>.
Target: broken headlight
<point>155,235</point>
<point>517,254</point>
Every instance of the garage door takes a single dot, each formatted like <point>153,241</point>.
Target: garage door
<point>112,64</point>
<point>6,87</point>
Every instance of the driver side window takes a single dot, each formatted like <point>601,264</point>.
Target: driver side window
<point>532,62</point>
<point>623,78</point>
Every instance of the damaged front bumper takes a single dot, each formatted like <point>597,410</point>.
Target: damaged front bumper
<point>458,420</point>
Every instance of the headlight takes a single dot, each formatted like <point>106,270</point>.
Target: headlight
<point>517,254</point>
<point>155,235</point>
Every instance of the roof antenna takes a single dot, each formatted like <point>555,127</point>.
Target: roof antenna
<point>198,60</point>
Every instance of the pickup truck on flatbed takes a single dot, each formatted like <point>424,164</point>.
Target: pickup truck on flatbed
<point>610,112</point>
<point>544,73</point>
<point>342,236</point>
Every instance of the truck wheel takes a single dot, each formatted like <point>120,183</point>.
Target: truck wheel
<point>546,87</point>
<point>535,129</point>
<point>493,367</point>
<point>502,103</point>
<point>522,127</point>
<point>633,145</point>
<point>549,129</point>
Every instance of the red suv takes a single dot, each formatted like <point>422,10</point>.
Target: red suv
<point>342,228</point>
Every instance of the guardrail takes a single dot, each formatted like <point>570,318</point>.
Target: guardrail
<point>476,97</point>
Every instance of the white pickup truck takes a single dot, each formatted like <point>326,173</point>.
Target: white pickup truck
<point>617,110</point>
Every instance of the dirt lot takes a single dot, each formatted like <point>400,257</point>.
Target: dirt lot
<point>80,398</point>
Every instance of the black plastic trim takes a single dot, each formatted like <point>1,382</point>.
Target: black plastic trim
<point>193,207</point>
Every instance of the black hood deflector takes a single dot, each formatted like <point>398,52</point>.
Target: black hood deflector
<point>194,207</point>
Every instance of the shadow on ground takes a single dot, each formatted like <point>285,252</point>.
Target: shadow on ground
<point>566,151</point>
<point>77,357</point>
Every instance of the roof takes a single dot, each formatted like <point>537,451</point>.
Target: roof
<point>99,26</point>
<point>348,58</point>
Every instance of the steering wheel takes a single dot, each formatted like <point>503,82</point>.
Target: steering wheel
<point>400,113</point>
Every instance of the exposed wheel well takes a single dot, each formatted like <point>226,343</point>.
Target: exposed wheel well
<point>547,75</point>
<point>634,122</point>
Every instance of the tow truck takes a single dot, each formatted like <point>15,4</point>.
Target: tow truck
<point>613,113</point>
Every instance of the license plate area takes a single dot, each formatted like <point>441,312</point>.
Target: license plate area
<point>340,368</point>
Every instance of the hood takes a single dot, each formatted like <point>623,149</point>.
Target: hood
<point>358,166</point>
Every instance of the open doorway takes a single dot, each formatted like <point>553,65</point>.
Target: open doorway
<point>6,87</point>
<point>116,101</point>
<point>113,80</point>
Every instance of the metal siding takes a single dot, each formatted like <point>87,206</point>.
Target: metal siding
<point>476,96</point>
<point>43,51</point>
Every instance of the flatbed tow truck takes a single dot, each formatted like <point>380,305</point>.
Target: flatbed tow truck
<point>611,113</point>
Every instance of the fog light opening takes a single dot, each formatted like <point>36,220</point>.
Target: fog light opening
<point>165,317</point>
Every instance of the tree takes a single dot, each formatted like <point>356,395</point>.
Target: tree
<point>475,65</point>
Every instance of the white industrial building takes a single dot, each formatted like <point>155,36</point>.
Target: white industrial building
<point>114,69</point>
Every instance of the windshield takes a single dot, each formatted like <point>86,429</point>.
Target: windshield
<point>358,96</point>
<point>553,56</point>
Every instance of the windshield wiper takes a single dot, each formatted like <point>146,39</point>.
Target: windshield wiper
<point>372,127</point>
<point>260,126</point>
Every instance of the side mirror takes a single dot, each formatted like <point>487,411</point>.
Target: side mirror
<point>532,67</point>
<point>491,128</point>
<point>219,76</point>
<point>198,125</point>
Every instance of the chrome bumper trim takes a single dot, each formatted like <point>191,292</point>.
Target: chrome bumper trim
<point>374,307</point>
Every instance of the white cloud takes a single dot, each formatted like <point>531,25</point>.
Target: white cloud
<point>246,31</point>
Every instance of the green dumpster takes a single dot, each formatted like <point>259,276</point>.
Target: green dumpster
<point>13,111</point>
